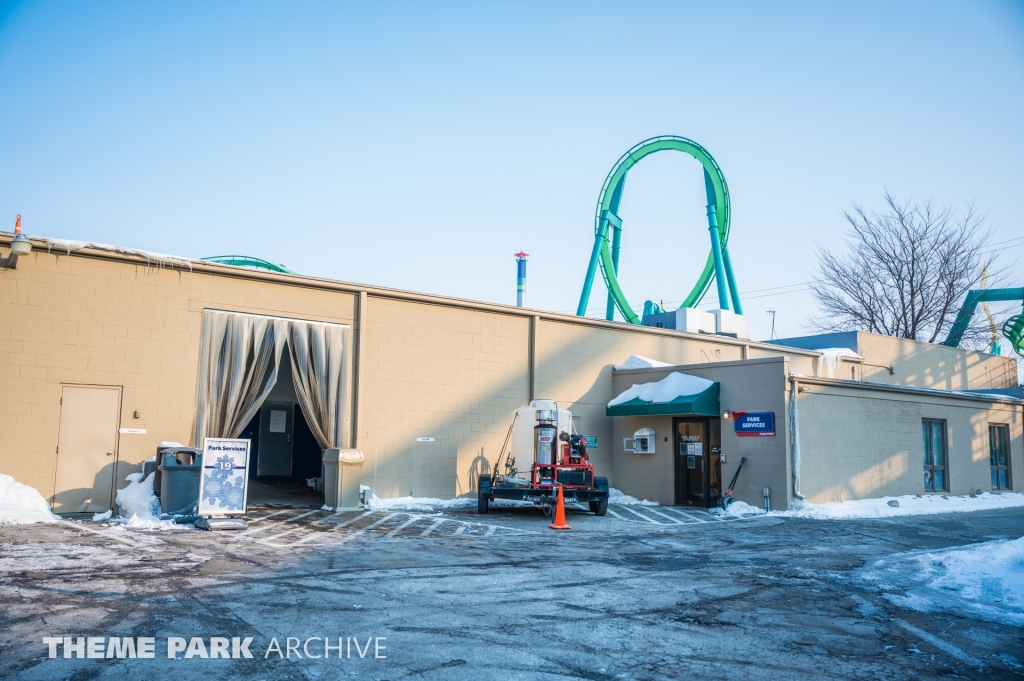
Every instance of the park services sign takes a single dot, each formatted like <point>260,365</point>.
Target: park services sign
<point>754,423</point>
<point>223,484</point>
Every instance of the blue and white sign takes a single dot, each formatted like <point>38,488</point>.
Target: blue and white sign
<point>224,479</point>
<point>754,423</point>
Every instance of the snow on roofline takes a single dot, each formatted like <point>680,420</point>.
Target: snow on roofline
<point>163,259</point>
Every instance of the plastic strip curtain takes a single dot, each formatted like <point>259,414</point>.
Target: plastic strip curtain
<point>239,361</point>
<point>317,353</point>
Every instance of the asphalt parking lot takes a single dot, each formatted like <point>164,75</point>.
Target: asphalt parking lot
<point>643,593</point>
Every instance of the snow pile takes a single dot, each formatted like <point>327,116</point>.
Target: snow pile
<point>641,362</point>
<point>830,360</point>
<point>417,503</point>
<point>22,505</point>
<point>984,579</point>
<point>140,509</point>
<point>667,389</point>
<point>738,509</point>
<point>69,245</point>
<point>138,499</point>
<point>617,497</point>
<point>908,505</point>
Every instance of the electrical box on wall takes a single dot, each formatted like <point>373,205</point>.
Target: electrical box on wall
<point>643,441</point>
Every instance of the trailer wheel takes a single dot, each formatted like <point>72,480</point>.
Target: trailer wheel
<point>481,504</point>
<point>599,507</point>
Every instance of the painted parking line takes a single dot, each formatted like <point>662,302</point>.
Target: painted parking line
<point>401,527</point>
<point>665,515</point>
<point>434,526</point>
<point>650,520</point>
<point>615,514</point>
<point>685,514</point>
<point>269,515</point>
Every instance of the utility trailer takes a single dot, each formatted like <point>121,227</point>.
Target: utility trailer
<point>560,460</point>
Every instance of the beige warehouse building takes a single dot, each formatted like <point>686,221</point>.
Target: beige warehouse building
<point>106,354</point>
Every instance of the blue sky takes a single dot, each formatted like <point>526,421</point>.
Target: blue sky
<point>420,145</point>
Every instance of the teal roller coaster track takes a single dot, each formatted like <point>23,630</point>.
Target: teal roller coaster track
<point>608,231</point>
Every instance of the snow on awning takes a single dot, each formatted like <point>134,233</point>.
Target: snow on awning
<point>676,394</point>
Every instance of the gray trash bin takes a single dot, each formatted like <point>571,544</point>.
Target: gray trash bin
<point>179,482</point>
<point>156,466</point>
<point>342,470</point>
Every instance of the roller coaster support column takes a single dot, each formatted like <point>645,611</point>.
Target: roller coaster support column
<point>963,318</point>
<point>733,291</point>
<point>716,244</point>
<point>599,238</point>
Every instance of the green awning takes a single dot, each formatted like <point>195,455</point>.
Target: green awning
<point>675,395</point>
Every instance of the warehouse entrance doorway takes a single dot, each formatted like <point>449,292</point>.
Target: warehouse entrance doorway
<point>86,449</point>
<point>697,461</point>
<point>284,385</point>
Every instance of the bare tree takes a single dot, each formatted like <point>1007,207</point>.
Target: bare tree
<point>906,272</point>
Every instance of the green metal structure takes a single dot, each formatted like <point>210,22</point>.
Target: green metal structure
<point>1013,329</point>
<point>246,261</point>
<point>608,232</point>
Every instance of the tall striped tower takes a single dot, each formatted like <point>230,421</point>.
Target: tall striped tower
<point>521,259</point>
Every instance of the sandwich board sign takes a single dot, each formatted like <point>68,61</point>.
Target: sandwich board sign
<point>224,478</point>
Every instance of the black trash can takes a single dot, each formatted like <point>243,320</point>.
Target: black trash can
<point>179,482</point>
<point>159,459</point>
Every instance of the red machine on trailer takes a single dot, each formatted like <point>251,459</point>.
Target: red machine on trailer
<point>560,460</point>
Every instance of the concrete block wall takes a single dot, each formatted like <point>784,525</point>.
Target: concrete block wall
<point>438,372</point>
<point>91,321</point>
<point>929,365</point>
<point>863,443</point>
<point>645,476</point>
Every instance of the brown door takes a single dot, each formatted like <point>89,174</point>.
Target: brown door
<point>691,451</point>
<point>698,461</point>
<point>86,449</point>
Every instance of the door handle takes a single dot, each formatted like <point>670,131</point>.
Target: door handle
<point>110,453</point>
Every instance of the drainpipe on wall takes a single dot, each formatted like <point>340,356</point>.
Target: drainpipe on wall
<point>794,440</point>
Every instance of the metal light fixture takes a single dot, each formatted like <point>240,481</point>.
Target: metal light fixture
<point>20,246</point>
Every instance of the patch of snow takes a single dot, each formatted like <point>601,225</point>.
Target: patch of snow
<point>140,509</point>
<point>418,503</point>
<point>69,245</point>
<point>641,362</point>
<point>985,579</point>
<point>617,497</point>
<point>22,505</point>
<point>168,444</point>
<point>738,509</point>
<point>100,517</point>
<point>667,389</point>
<point>908,505</point>
<point>830,359</point>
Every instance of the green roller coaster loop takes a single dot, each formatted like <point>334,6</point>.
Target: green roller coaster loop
<point>606,246</point>
<point>247,261</point>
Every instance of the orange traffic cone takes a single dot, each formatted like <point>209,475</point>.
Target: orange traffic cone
<point>560,523</point>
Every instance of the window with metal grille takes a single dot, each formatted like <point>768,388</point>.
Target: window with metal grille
<point>999,455</point>
<point>935,478</point>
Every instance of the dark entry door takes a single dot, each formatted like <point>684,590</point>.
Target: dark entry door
<point>276,426</point>
<point>698,465</point>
